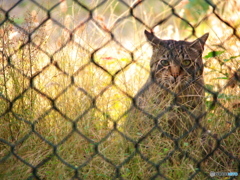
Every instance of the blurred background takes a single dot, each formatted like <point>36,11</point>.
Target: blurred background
<point>70,68</point>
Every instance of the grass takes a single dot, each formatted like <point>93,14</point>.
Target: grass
<point>63,108</point>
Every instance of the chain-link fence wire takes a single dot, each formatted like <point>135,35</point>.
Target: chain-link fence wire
<point>69,74</point>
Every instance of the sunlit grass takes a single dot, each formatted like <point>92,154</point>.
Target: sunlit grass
<point>75,94</point>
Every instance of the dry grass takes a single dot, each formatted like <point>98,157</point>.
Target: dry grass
<point>62,110</point>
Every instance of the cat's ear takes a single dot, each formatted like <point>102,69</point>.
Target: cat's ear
<point>199,43</point>
<point>152,38</point>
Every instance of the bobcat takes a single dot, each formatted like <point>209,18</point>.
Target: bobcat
<point>172,99</point>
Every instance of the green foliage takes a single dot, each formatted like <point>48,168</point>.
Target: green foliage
<point>213,54</point>
<point>231,58</point>
<point>197,7</point>
<point>194,9</point>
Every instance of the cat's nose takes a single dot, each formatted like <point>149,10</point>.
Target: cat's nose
<point>175,71</point>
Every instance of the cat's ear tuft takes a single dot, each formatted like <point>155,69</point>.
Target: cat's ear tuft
<point>152,38</point>
<point>200,42</point>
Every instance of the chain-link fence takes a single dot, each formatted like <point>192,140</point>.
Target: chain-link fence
<point>70,71</point>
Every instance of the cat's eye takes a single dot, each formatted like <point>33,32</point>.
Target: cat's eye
<point>186,63</point>
<point>164,62</point>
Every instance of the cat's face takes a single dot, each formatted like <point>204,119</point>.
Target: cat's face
<point>176,63</point>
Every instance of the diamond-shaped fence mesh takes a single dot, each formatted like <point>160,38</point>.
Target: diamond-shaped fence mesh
<point>73,104</point>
